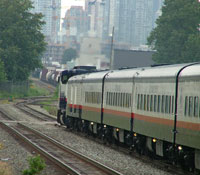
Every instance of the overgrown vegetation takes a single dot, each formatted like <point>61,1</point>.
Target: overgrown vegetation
<point>33,91</point>
<point>49,105</point>
<point>36,165</point>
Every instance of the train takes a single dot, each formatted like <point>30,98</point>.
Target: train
<point>150,109</point>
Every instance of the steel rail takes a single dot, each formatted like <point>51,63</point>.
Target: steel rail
<point>96,166</point>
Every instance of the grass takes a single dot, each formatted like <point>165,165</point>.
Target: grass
<point>49,105</point>
<point>51,109</point>
<point>5,169</point>
<point>34,90</point>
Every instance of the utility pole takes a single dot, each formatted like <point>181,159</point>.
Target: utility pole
<point>112,50</point>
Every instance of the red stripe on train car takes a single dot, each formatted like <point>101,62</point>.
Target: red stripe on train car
<point>132,115</point>
<point>119,113</point>
<point>88,108</point>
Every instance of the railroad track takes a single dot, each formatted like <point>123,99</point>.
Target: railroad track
<point>5,117</point>
<point>36,114</point>
<point>64,157</point>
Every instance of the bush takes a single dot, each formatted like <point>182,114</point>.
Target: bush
<point>36,165</point>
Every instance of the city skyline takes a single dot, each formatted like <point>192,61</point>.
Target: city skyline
<point>66,4</point>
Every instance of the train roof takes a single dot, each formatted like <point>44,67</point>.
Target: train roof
<point>89,76</point>
<point>165,71</point>
<point>124,73</point>
<point>160,71</point>
<point>193,70</point>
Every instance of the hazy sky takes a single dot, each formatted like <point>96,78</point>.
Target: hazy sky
<point>66,4</point>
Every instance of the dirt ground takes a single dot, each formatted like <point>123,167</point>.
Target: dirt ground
<point>5,169</point>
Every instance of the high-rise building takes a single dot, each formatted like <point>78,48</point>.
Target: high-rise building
<point>51,9</point>
<point>133,20</point>
<point>75,24</point>
<point>95,11</point>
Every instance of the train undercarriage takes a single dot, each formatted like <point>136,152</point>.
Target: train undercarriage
<point>187,158</point>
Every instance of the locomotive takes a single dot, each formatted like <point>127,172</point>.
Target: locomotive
<point>62,81</point>
<point>154,109</point>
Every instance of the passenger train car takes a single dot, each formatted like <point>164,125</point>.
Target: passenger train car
<point>154,108</point>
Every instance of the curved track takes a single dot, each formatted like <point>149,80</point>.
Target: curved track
<point>36,114</point>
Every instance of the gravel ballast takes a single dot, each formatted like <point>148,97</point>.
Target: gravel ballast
<point>17,155</point>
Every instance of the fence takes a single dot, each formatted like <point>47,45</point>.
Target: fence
<point>14,87</point>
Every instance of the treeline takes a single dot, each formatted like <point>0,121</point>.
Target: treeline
<point>21,40</point>
<point>176,39</point>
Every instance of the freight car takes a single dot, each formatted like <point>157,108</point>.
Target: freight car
<point>50,75</point>
<point>154,109</point>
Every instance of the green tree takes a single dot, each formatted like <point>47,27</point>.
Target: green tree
<point>21,40</point>
<point>176,39</point>
<point>68,55</point>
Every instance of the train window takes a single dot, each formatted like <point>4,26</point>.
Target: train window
<point>196,106</point>
<point>162,104</point>
<point>141,102</point>
<point>190,108</point>
<point>155,103</point>
<point>186,106</point>
<point>166,104</point>
<point>129,100</point>
<point>109,97</point>
<point>122,100</point>
<point>172,105</point>
<point>151,103</point>
<point>71,95</point>
<point>138,101</point>
<point>106,98</point>
<point>158,104</point>
<point>100,95</point>
<point>125,100</point>
<point>116,104</point>
<point>144,103</point>
<point>93,100</point>
<point>119,101</point>
<point>114,98</point>
<point>170,100</point>
<point>110,100</point>
<point>95,97</point>
<point>111,94</point>
<point>147,102</point>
